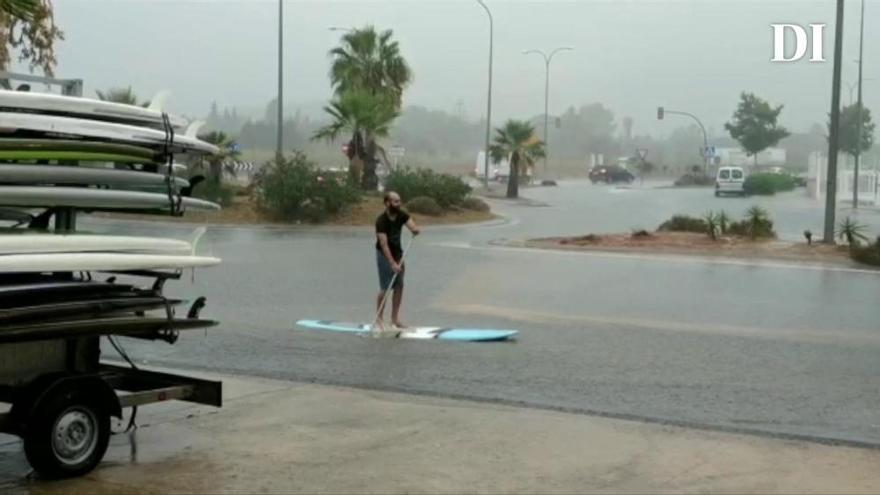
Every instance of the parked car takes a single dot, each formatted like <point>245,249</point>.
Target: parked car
<point>611,174</point>
<point>730,180</point>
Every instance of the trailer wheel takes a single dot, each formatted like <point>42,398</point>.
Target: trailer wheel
<point>67,434</point>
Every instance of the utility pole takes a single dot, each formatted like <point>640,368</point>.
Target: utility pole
<point>279,151</point>
<point>859,129</point>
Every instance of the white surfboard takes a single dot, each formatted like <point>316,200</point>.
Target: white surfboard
<point>91,108</point>
<point>57,174</point>
<point>85,262</point>
<point>85,243</point>
<point>95,129</point>
<point>83,197</point>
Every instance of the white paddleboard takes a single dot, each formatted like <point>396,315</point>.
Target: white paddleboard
<point>89,108</point>
<point>417,333</point>
<point>95,129</point>
<point>82,197</point>
<point>83,243</point>
<point>85,262</point>
<point>58,174</point>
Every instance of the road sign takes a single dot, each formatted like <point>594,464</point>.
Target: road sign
<point>642,153</point>
<point>709,152</point>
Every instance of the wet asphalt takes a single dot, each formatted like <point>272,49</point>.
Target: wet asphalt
<point>759,347</point>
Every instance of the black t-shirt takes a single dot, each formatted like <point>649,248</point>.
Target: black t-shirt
<point>391,228</point>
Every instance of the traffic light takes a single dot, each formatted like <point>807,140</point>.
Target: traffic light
<point>659,113</point>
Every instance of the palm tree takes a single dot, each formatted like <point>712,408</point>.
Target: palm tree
<point>516,141</point>
<point>852,232</point>
<point>370,61</point>
<point>366,117</point>
<point>758,223</point>
<point>367,63</point>
<point>120,95</point>
<point>223,161</point>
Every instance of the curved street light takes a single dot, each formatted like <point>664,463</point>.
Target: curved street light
<point>661,111</point>
<point>547,60</point>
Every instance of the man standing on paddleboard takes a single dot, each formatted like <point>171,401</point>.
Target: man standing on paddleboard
<point>389,254</point>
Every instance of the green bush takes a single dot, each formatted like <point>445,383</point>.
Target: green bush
<point>683,223</point>
<point>869,254</point>
<point>852,232</point>
<point>475,204</point>
<point>425,206</point>
<point>756,225</point>
<point>768,184</point>
<point>216,192</point>
<point>295,189</point>
<point>447,190</point>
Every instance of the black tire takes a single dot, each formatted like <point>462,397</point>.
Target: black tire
<point>67,434</point>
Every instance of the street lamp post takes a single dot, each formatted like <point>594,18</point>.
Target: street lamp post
<point>488,99</point>
<point>661,111</point>
<point>279,151</point>
<point>547,59</point>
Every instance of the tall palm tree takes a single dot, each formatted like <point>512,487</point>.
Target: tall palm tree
<point>224,161</point>
<point>371,61</point>
<point>517,142</point>
<point>120,95</point>
<point>366,117</point>
<point>368,63</point>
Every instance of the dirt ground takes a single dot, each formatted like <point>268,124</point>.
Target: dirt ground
<point>698,244</point>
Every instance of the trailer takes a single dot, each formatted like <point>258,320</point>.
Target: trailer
<point>60,394</point>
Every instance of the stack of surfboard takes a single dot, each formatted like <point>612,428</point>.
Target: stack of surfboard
<point>121,153</point>
<point>43,294</point>
<point>59,152</point>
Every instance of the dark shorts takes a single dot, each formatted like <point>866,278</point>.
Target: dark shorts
<point>386,273</point>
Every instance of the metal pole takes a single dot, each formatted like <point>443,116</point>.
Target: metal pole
<point>546,111</point>
<point>279,152</point>
<point>834,131</point>
<point>488,99</point>
<point>547,60</point>
<point>859,128</point>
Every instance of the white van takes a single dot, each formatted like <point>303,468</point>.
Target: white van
<point>497,172</point>
<point>730,180</point>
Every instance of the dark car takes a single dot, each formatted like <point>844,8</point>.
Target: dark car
<point>611,174</point>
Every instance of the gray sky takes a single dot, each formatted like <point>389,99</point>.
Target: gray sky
<point>693,55</point>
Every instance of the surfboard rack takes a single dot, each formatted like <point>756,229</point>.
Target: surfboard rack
<point>47,370</point>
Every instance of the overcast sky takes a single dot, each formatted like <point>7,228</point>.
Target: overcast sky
<point>692,55</point>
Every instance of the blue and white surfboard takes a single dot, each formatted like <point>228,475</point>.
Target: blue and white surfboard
<point>422,333</point>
